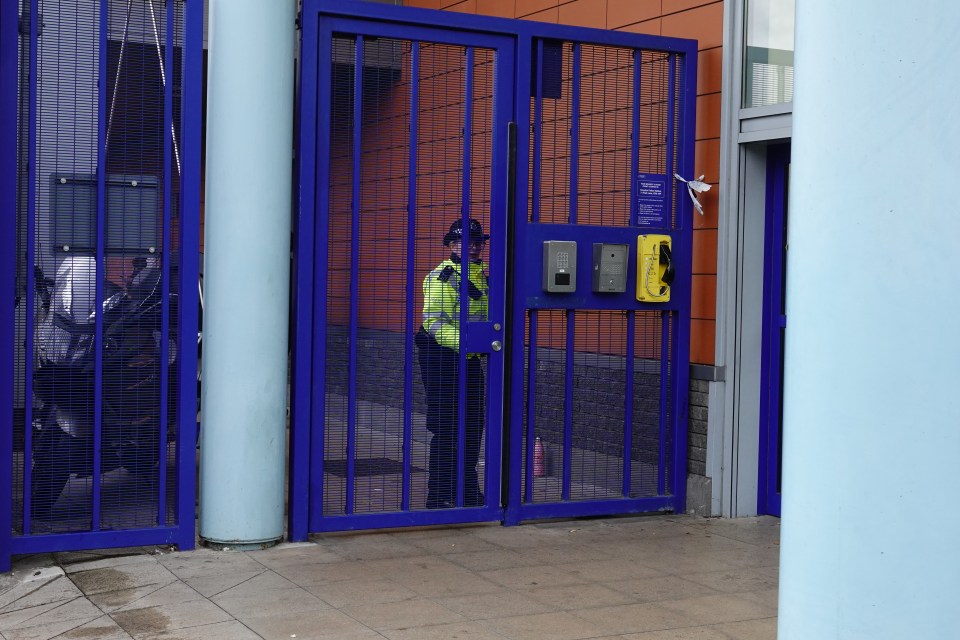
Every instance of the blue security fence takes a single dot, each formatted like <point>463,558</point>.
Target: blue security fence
<point>101,123</point>
<point>411,120</point>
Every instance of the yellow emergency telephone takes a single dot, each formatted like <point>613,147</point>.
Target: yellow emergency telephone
<point>655,270</point>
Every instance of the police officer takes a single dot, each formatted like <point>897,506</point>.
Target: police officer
<point>438,346</point>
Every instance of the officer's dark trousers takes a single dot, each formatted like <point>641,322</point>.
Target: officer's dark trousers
<point>439,369</point>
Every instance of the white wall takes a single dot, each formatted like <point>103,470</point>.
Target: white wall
<point>871,421</point>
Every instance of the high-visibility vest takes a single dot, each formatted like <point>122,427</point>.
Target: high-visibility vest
<point>441,300</point>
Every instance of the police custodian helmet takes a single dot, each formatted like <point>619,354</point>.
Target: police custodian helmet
<point>455,233</point>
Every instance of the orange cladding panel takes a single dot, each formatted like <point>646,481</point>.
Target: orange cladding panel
<point>620,13</point>
<point>705,252</point>
<point>702,336</point>
<point>499,8</point>
<point>584,13</point>
<point>704,24</point>
<point>527,7</point>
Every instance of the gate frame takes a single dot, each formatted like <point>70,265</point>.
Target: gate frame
<point>524,33</point>
<point>182,533</point>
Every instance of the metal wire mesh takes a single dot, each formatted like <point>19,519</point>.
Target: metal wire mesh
<point>606,106</point>
<point>385,235</point>
<point>96,427</point>
<point>595,103</point>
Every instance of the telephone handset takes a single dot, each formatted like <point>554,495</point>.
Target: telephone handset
<point>655,270</point>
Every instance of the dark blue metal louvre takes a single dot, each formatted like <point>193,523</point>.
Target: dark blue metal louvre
<point>105,231</point>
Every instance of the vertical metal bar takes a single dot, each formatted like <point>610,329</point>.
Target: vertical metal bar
<point>100,261</point>
<point>411,267</point>
<point>570,313</point>
<point>687,92</point>
<point>9,232</point>
<point>575,135</point>
<point>631,315</point>
<point>354,271</point>
<point>671,124</point>
<point>635,134</point>
<point>319,200</point>
<point>29,331</point>
<point>568,403</point>
<point>534,217</point>
<point>668,367</point>
<point>509,370</point>
<point>665,400</point>
<point>516,480</point>
<point>628,405</point>
<point>502,139</point>
<point>191,106</point>
<point>300,387</point>
<point>537,133</point>
<point>464,269</point>
<point>165,254</point>
<point>531,405</point>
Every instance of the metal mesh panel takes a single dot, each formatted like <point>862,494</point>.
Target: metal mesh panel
<point>598,381</point>
<point>654,100</point>
<point>649,449</point>
<point>580,406</point>
<point>376,438</point>
<point>589,91</point>
<point>606,105</point>
<point>98,263</point>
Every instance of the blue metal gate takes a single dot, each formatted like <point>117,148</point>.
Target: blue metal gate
<point>413,122</point>
<point>101,115</point>
<point>599,392</point>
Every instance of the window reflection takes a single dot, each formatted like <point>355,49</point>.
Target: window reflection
<point>768,60</point>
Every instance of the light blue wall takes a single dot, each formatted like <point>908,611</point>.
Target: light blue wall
<point>246,270</point>
<point>872,422</point>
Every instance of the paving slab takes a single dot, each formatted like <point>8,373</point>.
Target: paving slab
<point>640,578</point>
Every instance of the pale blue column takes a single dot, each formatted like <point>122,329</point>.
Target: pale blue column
<point>871,442</point>
<point>246,270</point>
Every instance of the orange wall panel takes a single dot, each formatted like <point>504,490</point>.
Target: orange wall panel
<point>709,74</point>
<point>705,253</point>
<point>704,24</point>
<point>621,13</point>
<point>708,116</point>
<point>707,160</point>
<point>702,336</point>
<point>703,296</point>
<point>673,6</point>
<point>551,15</point>
<point>584,13</point>
<point>464,6</point>
<point>528,7</point>
<point>498,8</point>
<point>649,27</point>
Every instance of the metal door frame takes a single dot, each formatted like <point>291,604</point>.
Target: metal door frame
<point>182,533</point>
<point>322,20</point>
<point>321,17</point>
<point>774,324</point>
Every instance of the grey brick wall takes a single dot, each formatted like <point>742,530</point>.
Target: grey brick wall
<point>697,431</point>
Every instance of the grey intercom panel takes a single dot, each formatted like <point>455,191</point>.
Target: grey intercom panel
<point>559,266</point>
<point>609,267</point>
